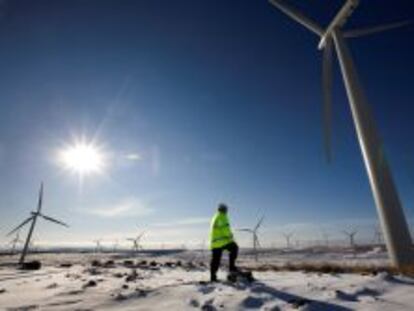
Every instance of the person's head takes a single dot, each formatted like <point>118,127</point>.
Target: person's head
<point>222,208</point>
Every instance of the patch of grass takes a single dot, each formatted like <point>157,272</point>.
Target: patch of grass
<point>409,271</point>
<point>331,268</point>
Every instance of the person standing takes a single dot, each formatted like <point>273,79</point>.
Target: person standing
<point>221,239</point>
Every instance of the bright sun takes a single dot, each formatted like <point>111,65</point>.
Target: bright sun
<point>82,158</point>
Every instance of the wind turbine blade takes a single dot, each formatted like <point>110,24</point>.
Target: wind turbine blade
<point>259,223</point>
<point>54,220</point>
<point>19,226</point>
<point>297,16</point>
<point>39,203</point>
<point>327,98</point>
<point>355,33</point>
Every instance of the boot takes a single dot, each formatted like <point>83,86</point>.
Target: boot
<point>213,277</point>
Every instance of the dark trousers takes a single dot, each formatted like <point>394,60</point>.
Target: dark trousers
<point>233,250</point>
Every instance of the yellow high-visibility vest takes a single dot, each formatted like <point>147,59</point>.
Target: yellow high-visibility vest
<point>220,231</point>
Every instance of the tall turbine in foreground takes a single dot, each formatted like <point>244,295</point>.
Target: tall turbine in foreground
<point>391,215</point>
<point>33,220</point>
<point>255,237</point>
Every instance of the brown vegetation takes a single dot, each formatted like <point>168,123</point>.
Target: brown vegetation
<point>336,268</point>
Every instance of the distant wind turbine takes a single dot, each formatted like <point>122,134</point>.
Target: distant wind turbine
<point>33,219</point>
<point>325,237</point>
<point>377,236</point>
<point>98,247</point>
<point>115,246</point>
<point>16,240</point>
<point>136,242</point>
<point>255,237</point>
<point>351,236</point>
<point>288,236</point>
<point>390,212</point>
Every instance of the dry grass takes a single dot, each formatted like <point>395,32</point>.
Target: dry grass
<point>336,268</point>
<point>409,271</point>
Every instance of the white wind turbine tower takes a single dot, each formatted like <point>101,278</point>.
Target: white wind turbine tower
<point>255,237</point>
<point>135,242</point>
<point>33,219</point>
<point>390,212</point>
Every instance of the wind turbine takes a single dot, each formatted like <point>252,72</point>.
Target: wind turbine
<point>351,235</point>
<point>115,246</point>
<point>288,236</point>
<point>15,241</point>
<point>33,219</point>
<point>135,242</point>
<point>255,237</point>
<point>377,236</point>
<point>325,237</point>
<point>98,247</point>
<point>390,212</point>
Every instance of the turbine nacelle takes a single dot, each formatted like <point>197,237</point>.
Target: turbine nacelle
<point>339,21</point>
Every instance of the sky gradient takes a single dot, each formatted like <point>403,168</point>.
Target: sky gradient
<point>193,103</point>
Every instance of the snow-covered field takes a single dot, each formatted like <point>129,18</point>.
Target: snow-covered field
<point>178,282</point>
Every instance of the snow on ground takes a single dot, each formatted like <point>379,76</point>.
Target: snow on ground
<point>178,282</point>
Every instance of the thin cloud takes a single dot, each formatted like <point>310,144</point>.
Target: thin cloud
<point>126,207</point>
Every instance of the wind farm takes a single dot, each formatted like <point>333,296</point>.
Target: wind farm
<point>216,155</point>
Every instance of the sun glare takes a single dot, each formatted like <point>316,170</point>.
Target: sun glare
<point>82,158</point>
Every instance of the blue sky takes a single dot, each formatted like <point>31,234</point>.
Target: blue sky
<point>221,100</point>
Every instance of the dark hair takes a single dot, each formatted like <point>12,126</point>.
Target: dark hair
<point>222,208</point>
